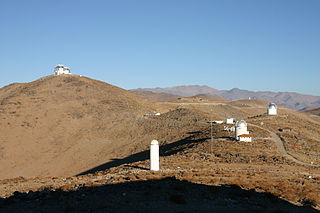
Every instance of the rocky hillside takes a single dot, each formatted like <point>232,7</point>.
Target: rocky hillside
<point>277,172</point>
<point>66,125</point>
<point>61,125</point>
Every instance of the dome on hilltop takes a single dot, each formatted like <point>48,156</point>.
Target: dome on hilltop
<point>59,66</point>
<point>61,69</point>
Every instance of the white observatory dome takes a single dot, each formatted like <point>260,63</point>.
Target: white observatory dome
<point>241,123</point>
<point>61,70</point>
<point>272,106</point>
<point>272,109</point>
<point>59,66</point>
<point>241,129</point>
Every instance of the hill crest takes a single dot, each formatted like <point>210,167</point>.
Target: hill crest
<point>61,125</point>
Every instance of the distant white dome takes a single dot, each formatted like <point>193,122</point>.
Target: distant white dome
<point>272,109</point>
<point>61,70</point>
<point>241,123</point>
<point>272,106</point>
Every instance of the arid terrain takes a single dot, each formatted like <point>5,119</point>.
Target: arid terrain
<point>288,99</point>
<point>315,111</point>
<point>74,144</point>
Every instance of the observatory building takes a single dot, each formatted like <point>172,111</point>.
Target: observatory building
<point>61,70</point>
<point>229,120</point>
<point>272,109</point>
<point>241,129</point>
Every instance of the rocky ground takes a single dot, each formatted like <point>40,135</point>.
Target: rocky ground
<point>196,175</point>
<point>58,133</point>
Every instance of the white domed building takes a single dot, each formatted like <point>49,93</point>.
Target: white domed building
<point>272,109</point>
<point>61,70</point>
<point>241,128</point>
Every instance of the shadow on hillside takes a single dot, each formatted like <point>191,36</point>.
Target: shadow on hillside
<point>229,138</point>
<point>165,150</point>
<point>165,195</point>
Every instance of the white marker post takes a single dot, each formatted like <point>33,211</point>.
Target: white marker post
<point>154,155</point>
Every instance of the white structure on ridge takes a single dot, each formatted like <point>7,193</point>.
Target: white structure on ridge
<point>216,122</point>
<point>152,114</point>
<point>241,128</point>
<point>272,109</point>
<point>229,121</point>
<point>154,156</point>
<point>61,70</point>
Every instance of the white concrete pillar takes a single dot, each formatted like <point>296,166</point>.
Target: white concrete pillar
<point>154,155</point>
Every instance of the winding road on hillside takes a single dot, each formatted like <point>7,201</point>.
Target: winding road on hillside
<point>279,143</point>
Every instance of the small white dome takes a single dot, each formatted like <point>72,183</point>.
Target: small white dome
<point>272,106</point>
<point>241,123</point>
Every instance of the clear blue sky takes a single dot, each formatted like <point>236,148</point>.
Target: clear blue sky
<point>159,43</point>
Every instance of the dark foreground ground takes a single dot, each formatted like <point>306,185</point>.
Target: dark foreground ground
<point>164,195</point>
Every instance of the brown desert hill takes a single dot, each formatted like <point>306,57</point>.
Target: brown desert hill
<point>265,177</point>
<point>166,97</point>
<point>65,125</point>
<point>202,98</point>
<point>213,98</point>
<point>158,97</point>
<point>250,103</point>
<point>315,111</point>
<point>61,125</point>
<point>284,166</point>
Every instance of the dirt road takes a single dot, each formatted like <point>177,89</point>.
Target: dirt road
<point>279,143</point>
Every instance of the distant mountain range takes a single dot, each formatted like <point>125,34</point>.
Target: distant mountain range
<point>288,99</point>
<point>166,97</point>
